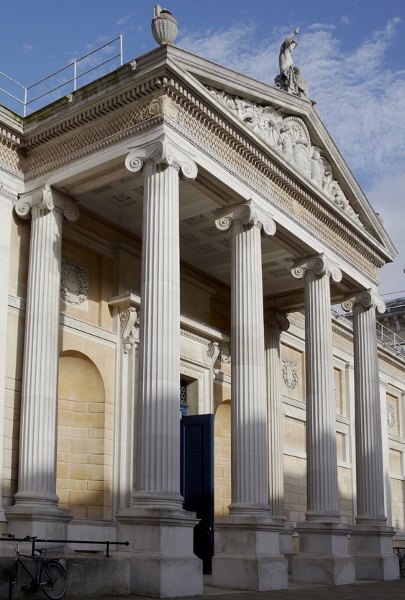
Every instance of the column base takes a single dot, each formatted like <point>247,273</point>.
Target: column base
<point>43,520</point>
<point>160,552</point>
<point>323,556</point>
<point>248,555</point>
<point>372,549</point>
<point>286,545</point>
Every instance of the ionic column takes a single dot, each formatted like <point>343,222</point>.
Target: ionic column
<point>160,532</point>
<point>274,323</point>
<point>39,403</point>
<point>241,557</point>
<point>249,415</point>
<point>159,353</point>
<point>326,561</point>
<point>371,537</point>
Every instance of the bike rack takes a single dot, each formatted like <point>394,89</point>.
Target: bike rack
<point>34,540</point>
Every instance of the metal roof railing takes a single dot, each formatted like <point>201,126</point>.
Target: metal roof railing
<point>87,58</point>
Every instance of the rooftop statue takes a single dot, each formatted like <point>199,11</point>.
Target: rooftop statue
<point>290,79</point>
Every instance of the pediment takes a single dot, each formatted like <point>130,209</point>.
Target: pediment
<point>294,133</point>
<point>290,138</point>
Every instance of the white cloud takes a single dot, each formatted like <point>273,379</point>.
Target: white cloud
<point>27,47</point>
<point>345,20</point>
<point>387,196</point>
<point>316,26</point>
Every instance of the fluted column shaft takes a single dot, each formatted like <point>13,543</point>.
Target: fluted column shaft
<point>39,404</point>
<point>275,323</point>
<point>248,417</point>
<point>322,479</point>
<point>369,451</point>
<point>159,353</point>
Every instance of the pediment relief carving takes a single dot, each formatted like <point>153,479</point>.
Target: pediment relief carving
<point>289,137</point>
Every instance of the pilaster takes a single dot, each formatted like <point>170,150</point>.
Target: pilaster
<point>248,556</point>
<point>274,323</point>
<point>160,532</point>
<point>35,510</point>
<point>371,539</point>
<point>323,556</point>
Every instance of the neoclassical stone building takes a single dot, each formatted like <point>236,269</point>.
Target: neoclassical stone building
<point>173,238</point>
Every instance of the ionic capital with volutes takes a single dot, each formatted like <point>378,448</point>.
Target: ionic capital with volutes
<point>321,265</point>
<point>247,213</point>
<point>277,318</point>
<point>162,152</point>
<point>49,199</point>
<point>367,298</point>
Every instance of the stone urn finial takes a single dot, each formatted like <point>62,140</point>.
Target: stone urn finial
<point>164,26</point>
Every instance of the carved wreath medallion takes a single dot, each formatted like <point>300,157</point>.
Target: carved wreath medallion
<point>290,373</point>
<point>74,283</point>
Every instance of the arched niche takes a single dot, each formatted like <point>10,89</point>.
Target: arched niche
<point>81,474</point>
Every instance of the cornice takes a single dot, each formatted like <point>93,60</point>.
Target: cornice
<point>85,114</point>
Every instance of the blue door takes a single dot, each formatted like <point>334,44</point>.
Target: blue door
<point>197,481</point>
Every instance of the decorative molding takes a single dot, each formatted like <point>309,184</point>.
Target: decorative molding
<point>74,283</point>
<point>321,265</point>
<point>248,213</point>
<point>96,112</point>
<point>290,372</point>
<point>391,418</point>
<point>225,354</point>
<point>82,327</point>
<point>128,321</point>
<point>210,353</point>
<point>17,302</point>
<point>367,298</point>
<point>289,137</point>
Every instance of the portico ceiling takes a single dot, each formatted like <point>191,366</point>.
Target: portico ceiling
<point>202,245</point>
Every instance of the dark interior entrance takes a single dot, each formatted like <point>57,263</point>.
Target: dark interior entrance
<point>197,481</point>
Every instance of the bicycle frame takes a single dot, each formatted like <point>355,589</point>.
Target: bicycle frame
<point>34,557</point>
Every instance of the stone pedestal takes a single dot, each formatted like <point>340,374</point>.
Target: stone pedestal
<point>371,548</point>
<point>371,541</point>
<point>249,555</point>
<point>36,509</point>
<point>160,532</point>
<point>323,556</point>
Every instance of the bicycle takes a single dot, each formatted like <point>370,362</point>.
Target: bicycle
<point>50,575</point>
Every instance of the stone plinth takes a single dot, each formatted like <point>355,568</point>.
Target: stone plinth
<point>323,556</point>
<point>248,555</point>
<point>161,552</point>
<point>371,547</point>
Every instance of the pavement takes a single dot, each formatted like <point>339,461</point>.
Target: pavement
<point>361,590</point>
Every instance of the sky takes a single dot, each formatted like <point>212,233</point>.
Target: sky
<point>350,52</point>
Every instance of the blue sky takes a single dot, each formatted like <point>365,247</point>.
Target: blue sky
<point>351,52</point>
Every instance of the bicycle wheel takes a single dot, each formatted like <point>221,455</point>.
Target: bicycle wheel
<point>13,581</point>
<point>53,580</point>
